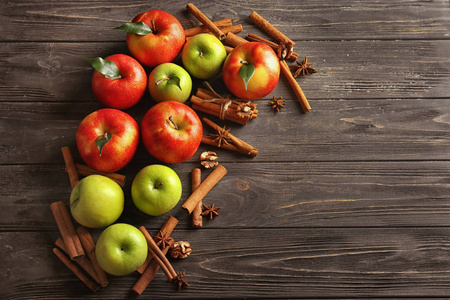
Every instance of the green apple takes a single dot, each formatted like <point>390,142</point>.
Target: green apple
<point>169,82</point>
<point>121,249</point>
<point>156,189</point>
<point>96,201</point>
<point>203,56</point>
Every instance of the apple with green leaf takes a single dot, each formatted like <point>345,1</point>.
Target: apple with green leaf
<point>203,56</point>
<point>156,189</point>
<point>121,249</point>
<point>251,71</point>
<point>107,139</point>
<point>171,131</point>
<point>119,81</point>
<point>169,82</point>
<point>154,37</point>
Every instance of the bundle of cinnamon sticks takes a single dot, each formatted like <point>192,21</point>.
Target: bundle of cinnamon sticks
<point>235,110</point>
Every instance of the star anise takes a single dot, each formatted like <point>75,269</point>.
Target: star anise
<point>277,103</point>
<point>302,68</point>
<point>180,280</point>
<point>210,210</point>
<point>162,240</point>
<point>221,136</point>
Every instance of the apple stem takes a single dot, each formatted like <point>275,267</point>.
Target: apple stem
<point>159,185</point>
<point>153,26</point>
<point>116,77</point>
<point>201,55</point>
<point>172,123</point>
<point>244,62</point>
<point>158,82</point>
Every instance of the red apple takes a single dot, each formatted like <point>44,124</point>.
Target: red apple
<point>171,131</point>
<point>107,139</point>
<point>159,40</point>
<point>120,84</point>
<point>251,71</point>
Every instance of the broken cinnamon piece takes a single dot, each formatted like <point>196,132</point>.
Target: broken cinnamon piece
<point>85,170</point>
<point>295,86</point>
<point>149,273</point>
<point>270,29</point>
<point>205,21</point>
<point>158,255</point>
<point>246,148</point>
<point>197,219</point>
<point>67,230</point>
<point>203,29</point>
<point>203,189</point>
<point>89,247</point>
<point>212,142</point>
<point>70,165</point>
<point>234,40</point>
<point>255,38</point>
<point>76,270</point>
<point>83,261</point>
<point>166,230</point>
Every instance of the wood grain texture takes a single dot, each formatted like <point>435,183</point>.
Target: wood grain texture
<point>346,70</point>
<point>300,20</point>
<point>288,263</point>
<point>348,201</point>
<point>334,131</point>
<point>312,194</point>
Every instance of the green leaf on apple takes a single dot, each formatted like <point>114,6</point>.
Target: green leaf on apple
<point>246,72</point>
<point>106,67</point>
<point>139,28</point>
<point>102,140</point>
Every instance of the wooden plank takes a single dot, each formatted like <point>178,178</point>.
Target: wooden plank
<point>346,70</point>
<point>34,132</point>
<point>263,263</point>
<point>266,195</point>
<point>323,20</point>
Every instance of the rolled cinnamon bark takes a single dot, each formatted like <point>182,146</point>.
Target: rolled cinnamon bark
<point>197,218</point>
<point>203,189</point>
<point>205,21</point>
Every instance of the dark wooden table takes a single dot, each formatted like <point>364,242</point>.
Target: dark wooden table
<point>348,201</point>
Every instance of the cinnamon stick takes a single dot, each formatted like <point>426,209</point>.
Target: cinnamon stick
<point>203,189</point>
<point>167,228</point>
<point>255,38</point>
<point>83,261</point>
<point>85,170</point>
<point>215,110</point>
<point>234,40</point>
<point>197,218</point>
<point>89,247</point>
<point>67,230</point>
<point>270,29</point>
<point>295,86</point>
<point>76,270</point>
<point>203,29</point>
<point>212,142</point>
<point>205,21</point>
<point>158,255</point>
<point>149,273</point>
<point>70,165</point>
<point>246,148</point>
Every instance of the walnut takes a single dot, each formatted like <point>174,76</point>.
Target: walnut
<point>180,249</point>
<point>208,159</point>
